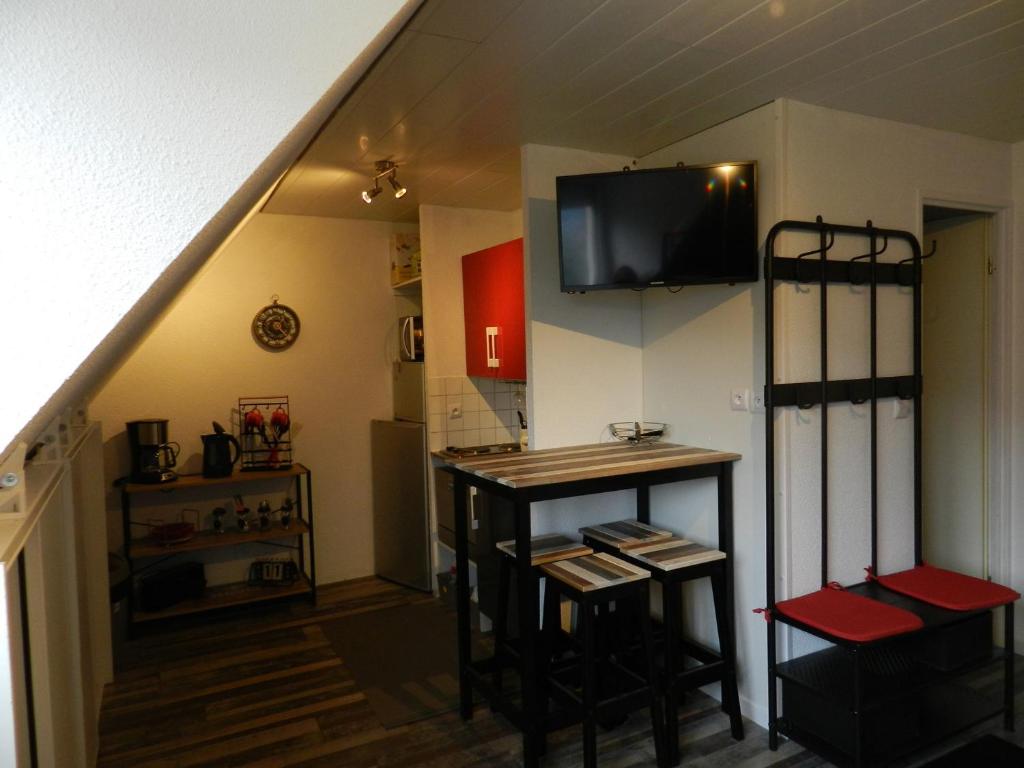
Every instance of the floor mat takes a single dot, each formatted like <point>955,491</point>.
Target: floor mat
<point>403,658</point>
<point>988,751</point>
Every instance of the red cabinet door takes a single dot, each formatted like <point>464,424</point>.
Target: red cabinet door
<point>492,293</point>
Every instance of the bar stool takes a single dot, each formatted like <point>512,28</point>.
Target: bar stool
<point>592,582</point>
<point>543,549</point>
<point>672,562</point>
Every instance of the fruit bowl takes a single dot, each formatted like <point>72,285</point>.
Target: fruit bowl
<point>637,431</point>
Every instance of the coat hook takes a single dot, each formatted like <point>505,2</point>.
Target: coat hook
<point>828,247</point>
<point>885,244</point>
<point>924,256</point>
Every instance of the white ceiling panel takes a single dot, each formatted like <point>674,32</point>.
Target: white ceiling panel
<point>925,29</point>
<point>468,82</point>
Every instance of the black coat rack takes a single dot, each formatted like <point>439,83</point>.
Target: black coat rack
<point>842,705</point>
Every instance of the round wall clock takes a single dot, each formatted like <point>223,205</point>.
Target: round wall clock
<point>275,326</point>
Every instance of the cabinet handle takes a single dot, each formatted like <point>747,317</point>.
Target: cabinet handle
<point>474,520</point>
<point>492,346</point>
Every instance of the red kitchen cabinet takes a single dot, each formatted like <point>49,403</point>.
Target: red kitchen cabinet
<point>492,295</point>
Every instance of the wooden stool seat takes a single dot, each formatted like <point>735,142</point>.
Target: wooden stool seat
<point>624,534</point>
<point>608,688</point>
<point>593,572</point>
<point>670,554</point>
<point>547,548</point>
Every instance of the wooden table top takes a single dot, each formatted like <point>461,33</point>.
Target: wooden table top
<point>583,462</point>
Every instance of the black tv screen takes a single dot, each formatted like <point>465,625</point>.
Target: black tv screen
<point>693,225</point>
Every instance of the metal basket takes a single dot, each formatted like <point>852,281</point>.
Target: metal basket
<point>637,431</point>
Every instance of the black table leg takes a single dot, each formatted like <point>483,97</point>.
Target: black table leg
<point>643,503</point>
<point>725,544</point>
<point>534,710</point>
<point>462,597</point>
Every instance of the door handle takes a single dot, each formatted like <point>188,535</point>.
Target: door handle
<point>408,340</point>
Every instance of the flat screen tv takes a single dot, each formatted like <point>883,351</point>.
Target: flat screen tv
<point>692,225</point>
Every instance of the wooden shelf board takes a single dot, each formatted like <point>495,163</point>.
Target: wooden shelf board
<point>198,481</point>
<point>224,596</point>
<point>412,282</point>
<point>147,547</point>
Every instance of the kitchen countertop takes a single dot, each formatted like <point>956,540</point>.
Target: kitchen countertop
<point>582,462</point>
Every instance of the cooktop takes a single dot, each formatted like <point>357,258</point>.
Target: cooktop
<point>480,450</point>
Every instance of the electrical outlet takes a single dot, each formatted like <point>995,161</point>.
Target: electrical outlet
<point>757,401</point>
<point>455,412</point>
<point>739,400</point>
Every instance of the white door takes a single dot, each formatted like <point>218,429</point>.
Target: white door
<point>955,357</point>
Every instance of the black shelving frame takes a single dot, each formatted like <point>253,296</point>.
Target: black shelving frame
<point>814,266</point>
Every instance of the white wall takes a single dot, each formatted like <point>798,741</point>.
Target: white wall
<point>584,351</point>
<point>698,345</point>
<point>200,358</point>
<point>133,133</point>
<point>574,340</point>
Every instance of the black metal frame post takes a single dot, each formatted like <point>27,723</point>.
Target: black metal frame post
<point>823,321</point>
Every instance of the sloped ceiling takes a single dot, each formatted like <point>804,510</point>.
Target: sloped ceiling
<point>468,82</point>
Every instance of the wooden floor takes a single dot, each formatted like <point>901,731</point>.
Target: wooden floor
<point>264,688</point>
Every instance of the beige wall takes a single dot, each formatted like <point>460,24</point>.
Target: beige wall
<point>200,357</point>
<point>446,235</point>
<point>486,413</point>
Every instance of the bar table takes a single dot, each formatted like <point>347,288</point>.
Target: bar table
<point>558,473</point>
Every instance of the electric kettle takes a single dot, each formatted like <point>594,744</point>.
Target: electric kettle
<point>217,455</point>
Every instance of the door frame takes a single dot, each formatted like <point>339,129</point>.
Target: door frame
<point>1000,340</point>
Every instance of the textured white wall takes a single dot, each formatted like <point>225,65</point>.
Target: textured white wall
<point>125,128</point>
<point>200,358</point>
<point>698,345</point>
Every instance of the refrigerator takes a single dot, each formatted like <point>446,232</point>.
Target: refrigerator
<point>401,513</point>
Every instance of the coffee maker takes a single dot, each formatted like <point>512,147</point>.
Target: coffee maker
<point>153,457</point>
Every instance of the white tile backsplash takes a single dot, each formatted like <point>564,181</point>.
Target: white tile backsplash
<point>487,408</point>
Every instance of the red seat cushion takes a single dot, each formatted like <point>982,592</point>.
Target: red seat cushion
<point>948,589</point>
<point>849,616</point>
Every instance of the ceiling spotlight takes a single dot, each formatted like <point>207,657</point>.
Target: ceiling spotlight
<point>384,168</point>
<point>369,194</point>
<point>399,189</point>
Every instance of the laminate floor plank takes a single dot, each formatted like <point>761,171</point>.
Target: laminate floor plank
<point>261,687</point>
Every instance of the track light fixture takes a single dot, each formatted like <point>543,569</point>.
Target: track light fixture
<point>384,168</point>
<point>369,194</point>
